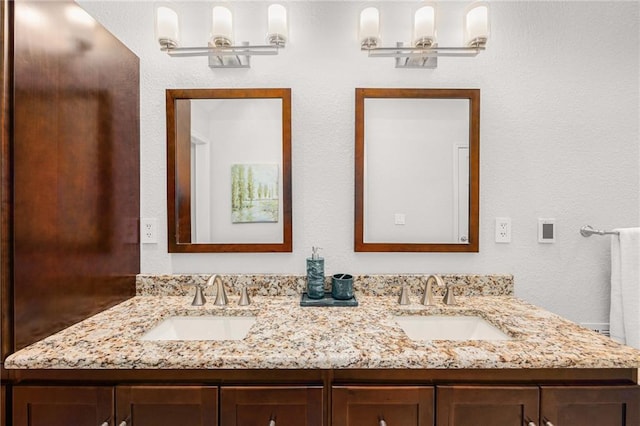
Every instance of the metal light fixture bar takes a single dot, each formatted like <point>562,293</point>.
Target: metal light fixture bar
<point>224,56</point>
<point>424,50</point>
<point>221,51</point>
<point>420,57</point>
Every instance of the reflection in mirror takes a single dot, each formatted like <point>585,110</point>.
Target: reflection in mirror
<point>417,169</point>
<point>229,170</point>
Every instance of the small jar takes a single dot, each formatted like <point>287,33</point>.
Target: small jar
<point>342,286</point>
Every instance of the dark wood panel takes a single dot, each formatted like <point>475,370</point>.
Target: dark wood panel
<point>576,376</point>
<point>248,406</point>
<point>62,406</point>
<point>167,405</point>
<point>402,405</point>
<point>495,405</point>
<point>6,182</point>
<point>3,405</point>
<point>75,172</point>
<point>592,405</point>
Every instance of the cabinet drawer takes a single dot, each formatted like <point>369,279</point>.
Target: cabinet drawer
<point>57,405</point>
<point>591,405</point>
<point>492,405</point>
<point>402,405</point>
<point>167,405</point>
<point>249,406</point>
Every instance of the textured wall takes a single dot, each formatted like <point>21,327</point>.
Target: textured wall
<point>559,135</point>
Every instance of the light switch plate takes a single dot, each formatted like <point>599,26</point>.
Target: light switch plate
<point>546,230</point>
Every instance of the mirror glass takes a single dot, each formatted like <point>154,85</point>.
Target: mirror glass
<point>417,169</point>
<point>229,153</point>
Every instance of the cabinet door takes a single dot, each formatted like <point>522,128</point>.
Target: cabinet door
<point>166,406</point>
<point>271,406</point>
<point>487,405</point>
<point>62,405</point>
<point>590,405</point>
<point>3,405</point>
<point>374,406</point>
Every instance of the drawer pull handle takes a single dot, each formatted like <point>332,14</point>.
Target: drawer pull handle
<point>382,423</point>
<point>272,422</point>
<point>547,423</point>
<point>530,422</point>
<point>105,424</point>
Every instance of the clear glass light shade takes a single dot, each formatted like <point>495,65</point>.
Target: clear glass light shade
<point>369,30</point>
<point>167,32</point>
<point>222,26</point>
<point>277,24</point>
<point>476,24</point>
<point>424,26</point>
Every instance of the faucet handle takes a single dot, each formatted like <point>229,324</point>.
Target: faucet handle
<point>449,297</point>
<point>244,297</point>
<point>404,296</point>
<point>198,297</point>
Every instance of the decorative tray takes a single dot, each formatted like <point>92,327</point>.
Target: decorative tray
<point>327,300</point>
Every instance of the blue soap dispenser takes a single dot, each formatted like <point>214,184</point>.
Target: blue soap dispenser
<point>315,275</point>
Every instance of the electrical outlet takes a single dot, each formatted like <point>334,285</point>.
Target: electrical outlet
<point>149,230</point>
<point>503,230</point>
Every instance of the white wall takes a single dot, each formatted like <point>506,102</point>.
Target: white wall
<point>559,135</point>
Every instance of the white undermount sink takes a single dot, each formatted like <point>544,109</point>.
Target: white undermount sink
<point>201,328</point>
<point>442,327</point>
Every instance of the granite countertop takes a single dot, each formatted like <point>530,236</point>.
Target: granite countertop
<point>288,336</point>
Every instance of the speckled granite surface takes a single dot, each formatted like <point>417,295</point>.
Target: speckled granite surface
<point>291,285</point>
<point>286,335</point>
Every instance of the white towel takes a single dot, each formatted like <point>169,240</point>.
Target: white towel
<point>624,319</point>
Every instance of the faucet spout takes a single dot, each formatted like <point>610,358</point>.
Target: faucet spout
<point>427,298</point>
<point>221,294</point>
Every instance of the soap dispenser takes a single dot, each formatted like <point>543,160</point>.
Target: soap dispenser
<point>315,275</point>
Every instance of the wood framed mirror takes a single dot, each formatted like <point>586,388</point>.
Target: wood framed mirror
<point>229,170</point>
<point>417,170</point>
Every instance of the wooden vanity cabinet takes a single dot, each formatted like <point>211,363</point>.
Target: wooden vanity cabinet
<point>166,406</point>
<point>370,405</point>
<point>248,406</point>
<point>62,405</point>
<point>121,406</point>
<point>494,405</point>
<point>533,405</point>
<point>590,405</point>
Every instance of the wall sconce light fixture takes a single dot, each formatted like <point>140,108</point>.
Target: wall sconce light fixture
<point>221,51</point>
<point>424,51</point>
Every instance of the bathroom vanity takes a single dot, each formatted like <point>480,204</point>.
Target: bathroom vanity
<point>325,366</point>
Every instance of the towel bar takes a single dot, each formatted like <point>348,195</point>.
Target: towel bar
<point>587,231</point>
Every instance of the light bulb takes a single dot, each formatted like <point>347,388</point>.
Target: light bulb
<point>167,27</point>
<point>277,23</point>
<point>476,24</point>
<point>424,26</point>
<point>222,26</point>
<point>369,27</point>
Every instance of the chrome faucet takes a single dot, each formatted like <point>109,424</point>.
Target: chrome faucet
<point>221,294</point>
<point>427,299</point>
